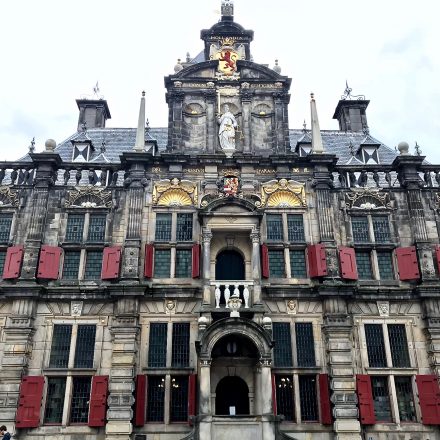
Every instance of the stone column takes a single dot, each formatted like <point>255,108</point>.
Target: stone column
<point>246,100</point>
<point>279,122</point>
<point>256,267</point>
<point>211,120</point>
<point>205,411</point>
<point>176,98</point>
<point>266,399</point>
<point>206,251</point>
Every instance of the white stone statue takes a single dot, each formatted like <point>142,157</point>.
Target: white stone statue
<point>226,133</point>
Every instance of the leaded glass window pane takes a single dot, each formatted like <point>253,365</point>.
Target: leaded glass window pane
<point>274,224</point>
<point>93,265</point>
<point>96,229</point>
<point>308,399</point>
<point>398,345</point>
<point>184,231</point>
<point>157,351</point>
<point>295,228</point>
<point>381,398</point>
<point>2,261</point>
<point>155,398</point>
<point>5,227</point>
<point>305,344</point>
<point>282,351</point>
<point>381,228</point>
<point>71,265</point>
<point>79,411</point>
<point>363,263</point>
<point>75,228</point>
<point>59,353</point>
<point>298,264</point>
<point>375,345</point>
<point>85,346</point>
<point>385,263</point>
<point>180,352</point>
<point>284,395</point>
<point>276,264</point>
<point>162,262</point>
<point>163,227</point>
<point>359,227</point>
<point>56,390</point>
<point>183,263</point>
<point>179,399</point>
<point>405,399</point>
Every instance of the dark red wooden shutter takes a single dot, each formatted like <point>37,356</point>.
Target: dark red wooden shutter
<point>98,401</point>
<point>274,395</point>
<point>324,400</point>
<point>149,258</point>
<point>365,398</point>
<point>111,263</point>
<point>437,257</point>
<point>347,258</point>
<point>265,272</point>
<point>192,395</point>
<point>140,396</point>
<point>429,397</point>
<point>196,261</point>
<point>317,260</point>
<point>49,262</point>
<point>13,260</point>
<point>29,402</point>
<point>407,263</point>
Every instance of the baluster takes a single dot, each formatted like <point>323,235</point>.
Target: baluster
<point>342,179</point>
<point>237,290</point>
<point>92,177</point>
<point>376,178</point>
<point>66,177</point>
<point>30,177</point>
<point>115,178</point>
<point>217,296</point>
<point>437,178</point>
<point>2,175</point>
<point>427,178</point>
<point>227,295</point>
<point>104,177</point>
<point>363,179</point>
<point>246,296</point>
<point>353,179</point>
<point>14,175</point>
<point>20,177</point>
<point>78,176</point>
<point>388,178</point>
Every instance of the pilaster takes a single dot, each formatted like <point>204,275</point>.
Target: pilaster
<point>210,98</point>
<point>432,319</point>
<point>246,100</point>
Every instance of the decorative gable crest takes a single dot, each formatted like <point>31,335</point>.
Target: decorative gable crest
<point>8,197</point>
<point>89,197</point>
<point>175,192</point>
<point>367,198</point>
<point>283,193</point>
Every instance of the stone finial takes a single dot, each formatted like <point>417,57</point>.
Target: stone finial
<point>140,133</point>
<point>50,145</point>
<point>178,67</point>
<point>277,67</point>
<point>317,145</point>
<point>227,8</point>
<point>403,148</point>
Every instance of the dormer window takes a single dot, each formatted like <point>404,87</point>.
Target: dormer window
<point>304,145</point>
<point>368,151</point>
<point>82,148</point>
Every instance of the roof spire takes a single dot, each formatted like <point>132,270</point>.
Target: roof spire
<point>140,133</point>
<point>228,8</point>
<point>317,146</point>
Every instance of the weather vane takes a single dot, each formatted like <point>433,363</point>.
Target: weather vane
<point>347,94</point>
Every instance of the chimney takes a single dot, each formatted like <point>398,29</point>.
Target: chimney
<point>93,113</point>
<point>351,115</point>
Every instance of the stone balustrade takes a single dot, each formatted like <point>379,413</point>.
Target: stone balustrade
<point>224,289</point>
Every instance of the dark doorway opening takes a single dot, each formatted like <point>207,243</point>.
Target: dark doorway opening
<point>232,391</point>
<point>229,266</point>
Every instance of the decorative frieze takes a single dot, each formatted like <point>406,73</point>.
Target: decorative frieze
<point>88,197</point>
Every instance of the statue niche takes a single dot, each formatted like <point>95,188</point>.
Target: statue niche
<point>194,126</point>
<point>262,127</point>
<point>230,134</point>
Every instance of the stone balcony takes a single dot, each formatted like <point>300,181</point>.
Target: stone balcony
<point>224,289</point>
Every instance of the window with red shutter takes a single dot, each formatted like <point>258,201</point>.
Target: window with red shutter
<point>437,257</point>
<point>111,263</point>
<point>13,261</point>
<point>192,395</point>
<point>264,261</point>
<point>408,264</point>
<point>274,395</point>
<point>347,259</point>
<point>365,399</point>
<point>140,396</point>
<point>98,401</point>
<point>196,261</point>
<point>429,397</point>
<point>324,400</point>
<point>317,260</point>
<point>49,262</point>
<point>149,257</point>
<point>29,402</point>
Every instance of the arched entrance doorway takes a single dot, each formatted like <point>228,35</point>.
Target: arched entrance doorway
<point>229,266</point>
<point>232,397</point>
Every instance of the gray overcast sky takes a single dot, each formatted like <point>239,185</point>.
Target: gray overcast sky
<point>54,52</point>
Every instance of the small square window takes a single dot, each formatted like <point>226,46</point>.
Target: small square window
<point>295,228</point>
<point>96,229</point>
<point>93,265</point>
<point>183,263</point>
<point>381,227</point>
<point>298,264</point>
<point>162,262</point>
<point>276,264</point>
<point>75,228</point>
<point>363,263</point>
<point>385,263</point>
<point>359,227</point>
<point>163,227</point>
<point>274,226</point>
<point>71,265</point>
<point>184,230</point>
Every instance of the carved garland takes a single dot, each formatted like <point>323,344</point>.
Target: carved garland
<point>175,192</point>
<point>367,198</point>
<point>89,197</point>
<point>8,197</point>
<point>283,193</point>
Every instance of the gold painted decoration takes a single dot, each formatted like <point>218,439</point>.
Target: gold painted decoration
<point>175,192</point>
<point>367,198</point>
<point>283,193</point>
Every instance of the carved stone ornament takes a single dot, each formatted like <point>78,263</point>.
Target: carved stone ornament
<point>283,193</point>
<point>175,192</point>
<point>8,197</point>
<point>384,308</point>
<point>76,308</point>
<point>89,197</point>
<point>170,306</point>
<point>292,306</point>
<point>367,198</point>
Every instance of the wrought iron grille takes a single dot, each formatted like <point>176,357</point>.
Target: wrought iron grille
<point>359,226</point>
<point>85,346</point>
<point>381,398</point>
<point>385,263</point>
<point>93,265</point>
<point>156,398</point>
<point>298,264</point>
<point>184,230</point>
<point>308,399</point>
<point>59,353</point>
<point>180,350</point>
<point>183,263</point>
<point>56,389</point>
<point>282,352</point>
<point>96,229</point>
<point>363,263</point>
<point>295,228</point>
<point>2,261</point>
<point>179,399</point>
<point>405,399</point>
<point>163,227</point>
<point>79,411</point>
<point>375,345</point>
<point>305,344</point>
<point>284,395</point>
<point>71,265</point>
<point>398,345</point>
<point>274,224</point>
<point>75,228</point>
<point>276,264</point>
<point>5,227</point>
<point>381,228</point>
<point>157,352</point>
<point>162,262</point>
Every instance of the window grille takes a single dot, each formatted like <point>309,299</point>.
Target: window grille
<point>305,346</point>
<point>295,228</point>
<point>180,351</point>
<point>276,264</point>
<point>157,352</point>
<point>298,264</point>
<point>381,398</point>
<point>179,399</point>
<point>85,346</point>
<point>59,354</point>
<point>381,228</point>
<point>385,263</point>
<point>79,411</point>
<point>93,265</point>
<point>308,399</point>
<point>363,263</point>
<point>56,390</point>
<point>155,398</point>
<point>183,263</point>
<point>284,395</point>
<point>184,231</point>
<point>2,262</point>
<point>274,224</point>
<point>71,265</point>
<point>282,351</point>
<point>162,262</point>
<point>398,345</point>
<point>75,228</point>
<point>359,226</point>
<point>96,229</point>
<point>405,399</point>
<point>163,227</point>
<point>5,227</point>
<point>375,345</point>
